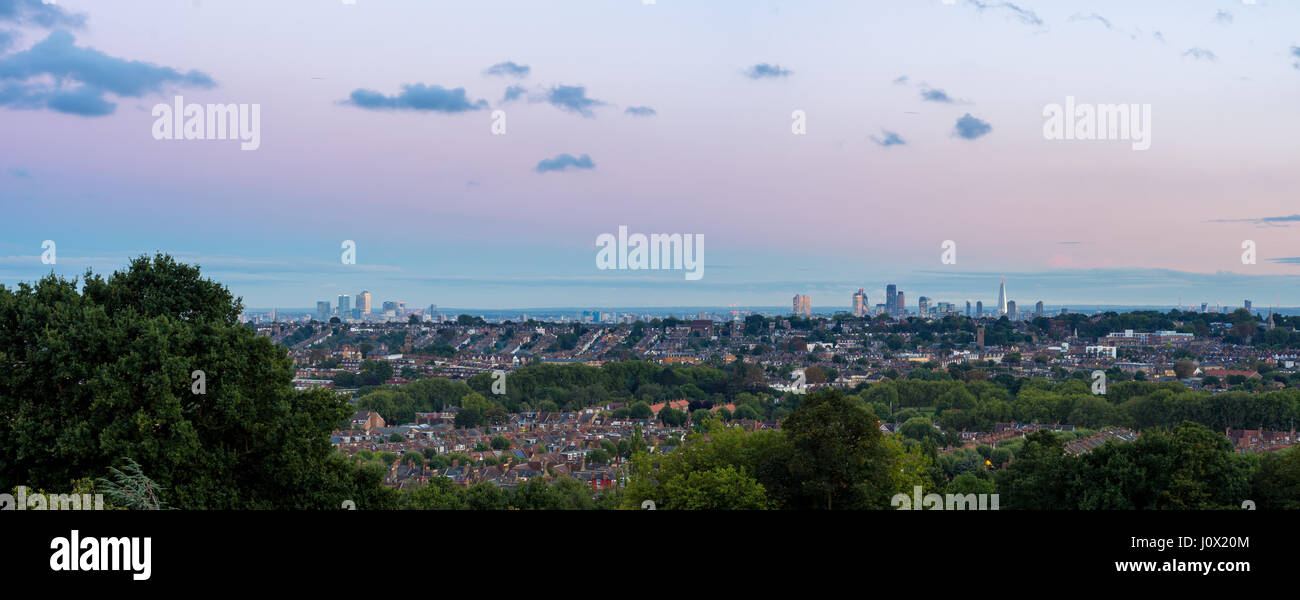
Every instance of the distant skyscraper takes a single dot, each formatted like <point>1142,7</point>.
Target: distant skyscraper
<point>1248,306</point>
<point>1204,305</point>
<point>900,304</point>
<point>968,309</point>
<point>891,298</point>
<point>802,305</point>
<point>979,309</point>
<point>1038,309</point>
<point>363,302</point>
<point>1002,297</point>
<point>1011,310</point>
<point>390,305</point>
<point>345,307</point>
<point>923,306</point>
<point>859,303</point>
<point>323,311</point>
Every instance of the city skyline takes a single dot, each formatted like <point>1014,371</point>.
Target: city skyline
<point>858,305</point>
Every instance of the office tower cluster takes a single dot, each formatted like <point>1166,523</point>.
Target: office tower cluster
<point>802,305</point>
<point>860,303</point>
<point>895,305</point>
<point>360,308</point>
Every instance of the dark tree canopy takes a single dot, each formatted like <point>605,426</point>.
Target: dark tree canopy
<point>92,377</point>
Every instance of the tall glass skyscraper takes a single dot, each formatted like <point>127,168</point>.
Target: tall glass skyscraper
<point>1002,297</point>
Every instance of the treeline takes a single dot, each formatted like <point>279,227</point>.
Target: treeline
<point>966,403</point>
<point>561,493</point>
<point>830,455</point>
<point>571,387</point>
<point>978,405</point>
<point>1186,467</point>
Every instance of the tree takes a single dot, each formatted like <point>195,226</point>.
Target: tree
<point>90,378</point>
<point>473,410</point>
<point>1277,483</point>
<point>501,443</point>
<point>1035,479</point>
<point>131,489</point>
<point>838,458</point>
<point>640,410</point>
<point>919,429</point>
<point>1184,369</point>
<point>722,488</point>
<point>438,494</point>
<point>672,417</point>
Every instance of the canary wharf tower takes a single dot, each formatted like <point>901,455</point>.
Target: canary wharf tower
<point>1002,297</point>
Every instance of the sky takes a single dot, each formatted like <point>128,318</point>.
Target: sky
<point>818,148</point>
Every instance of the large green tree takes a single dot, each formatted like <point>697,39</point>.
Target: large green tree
<point>94,376</point>
<point>838,460</point>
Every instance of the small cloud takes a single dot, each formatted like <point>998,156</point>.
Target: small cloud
<point>640,111</point>
<point>890,139</point>
<point>1286,260</point>
<point>419,97</point>
<point>20,173</point>
<point>1023,15</point>
<point>1201,54</point>
<point>971,128</point>
<point>1069,243</point>
<point>1295,51</point>
<point>936,95</point>
<point>1092,17</point>
<point>508,69</point>
<point>1160,37</point>
<point>766,71</point>
<point>564,162</point>
<point>1223,17</point>
<point>573,98</point>
<point>513,92</point>
<point>1283,221</point>
<point>900,80</point>
<point>471,184</point>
